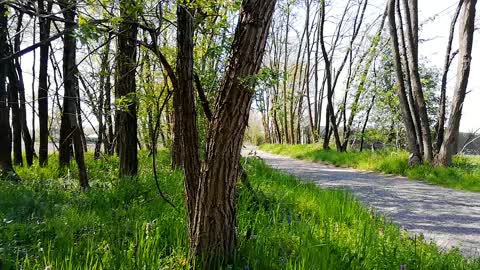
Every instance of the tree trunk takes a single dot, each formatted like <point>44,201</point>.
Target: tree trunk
<point>285,76</point>
<point>70,127</point>
<point>125,90</point>
<point>412,34</point>
<point>104,76</point>
<point>17,69</point>
<point>415,157</point>
<point>16,120</point>
<point>43,83</point>
<point>364,127</point>
<point>440,132</point>
<point>328,73</point>
<point>6,167</point>
<point>185,125</point>
<point>213,230</point>
<point>467,28</point>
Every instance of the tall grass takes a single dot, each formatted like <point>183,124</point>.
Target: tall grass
<point>45,223</point>
<point>464,174</point>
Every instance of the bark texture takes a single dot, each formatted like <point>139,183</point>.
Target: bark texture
<point>125,89</point>
<point>215,218</point>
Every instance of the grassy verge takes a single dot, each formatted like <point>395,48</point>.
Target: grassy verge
<point>123,224</point>
<point>464,174</point>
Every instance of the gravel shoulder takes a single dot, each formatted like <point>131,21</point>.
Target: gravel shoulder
<point>451,218</point>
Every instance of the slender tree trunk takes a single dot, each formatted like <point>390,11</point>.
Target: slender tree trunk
<point>415,157</point>
<point>361,86</point>
<point>328,73</point>
<point>125,88</point>
<point>467,28</point>
<point>412,34</point>
<point>43,83</point>
<point>17,69</point>
<point>104,76</point>
<point>16,120</point>
<point>285,76</point>
<point>440,132</point>
<point>364,127</point>
<point>408,80</point>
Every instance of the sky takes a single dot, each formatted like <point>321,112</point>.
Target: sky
<point>435,33</point>
<point>435,17</point>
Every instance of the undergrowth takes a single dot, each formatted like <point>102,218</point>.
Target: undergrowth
<point>464,174</point>
<point>46,223</point>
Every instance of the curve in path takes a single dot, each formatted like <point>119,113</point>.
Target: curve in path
<point>449,217</point>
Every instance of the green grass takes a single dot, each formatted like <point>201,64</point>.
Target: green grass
<point>45,223</point>
<point>464,174</point>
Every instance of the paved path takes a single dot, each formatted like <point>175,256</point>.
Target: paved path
<point>449,217</point>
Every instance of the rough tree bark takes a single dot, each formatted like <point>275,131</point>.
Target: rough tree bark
<point>185,125</point>
<point>125,90</point>
<point>466,31</point>
<point>211,195</point>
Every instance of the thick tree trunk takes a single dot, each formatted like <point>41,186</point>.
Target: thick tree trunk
<point>185,126</point>
<point>467,28</point>
<point>6,167</point>
<point>70,127</point>
<point>125,89</point>
<point>213,230</point>
<point>415,157</point>
<point>43,83</point>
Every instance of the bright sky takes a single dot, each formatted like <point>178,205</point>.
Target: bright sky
<point>437,16</point>
<point>436,34</point>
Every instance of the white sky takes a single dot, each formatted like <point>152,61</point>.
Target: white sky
<point>436,32</point>
<point>436,13</point>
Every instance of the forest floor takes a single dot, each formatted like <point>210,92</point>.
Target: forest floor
<point>285,223</point>
<point>449,217</point>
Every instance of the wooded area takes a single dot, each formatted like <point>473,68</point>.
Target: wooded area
<point>186,75</point>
